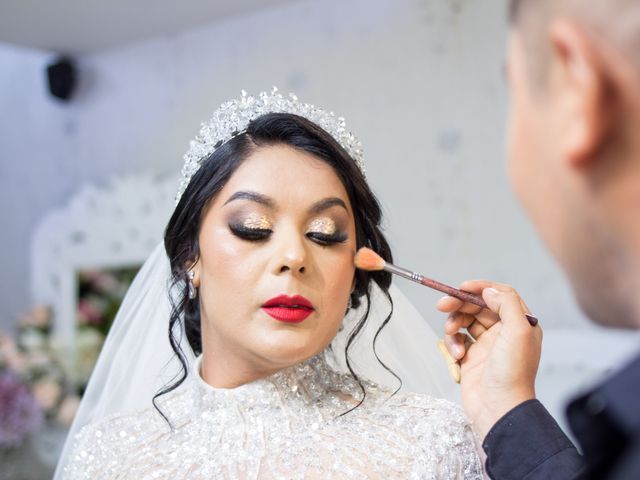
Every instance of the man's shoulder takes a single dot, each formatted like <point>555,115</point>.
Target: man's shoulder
<point>528,443</point>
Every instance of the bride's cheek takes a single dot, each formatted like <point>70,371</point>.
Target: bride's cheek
<point>227,257</point>
<point>340,281</point>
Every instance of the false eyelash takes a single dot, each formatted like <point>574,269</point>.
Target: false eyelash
<point>250,234</point>
<point>258,234</point>
<point>324,239</point>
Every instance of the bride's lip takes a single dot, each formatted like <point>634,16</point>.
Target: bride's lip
<point>289,309</point>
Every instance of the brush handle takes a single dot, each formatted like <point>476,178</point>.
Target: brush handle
<point>449,290</point>
<point>454,292</point>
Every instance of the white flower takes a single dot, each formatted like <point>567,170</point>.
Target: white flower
<point>32,339</point>
<point>88,344</point>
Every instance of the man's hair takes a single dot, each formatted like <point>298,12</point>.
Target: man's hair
<point>514,10</point>
<point>616,21</point>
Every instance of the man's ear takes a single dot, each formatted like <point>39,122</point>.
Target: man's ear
<point>582,91</point>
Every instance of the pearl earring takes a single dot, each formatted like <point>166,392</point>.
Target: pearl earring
<point>193,293</point>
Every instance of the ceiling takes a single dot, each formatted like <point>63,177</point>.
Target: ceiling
<point>83,26</point>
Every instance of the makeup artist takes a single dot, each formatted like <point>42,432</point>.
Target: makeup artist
<point>574,149</point>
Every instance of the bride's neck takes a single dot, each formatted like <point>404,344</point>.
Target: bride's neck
<point>221,370</point>
<point>228,364</point>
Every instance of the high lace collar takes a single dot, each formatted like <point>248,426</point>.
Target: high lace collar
<point>312,383</point>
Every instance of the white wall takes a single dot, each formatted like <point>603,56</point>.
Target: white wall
<point>420,81</point>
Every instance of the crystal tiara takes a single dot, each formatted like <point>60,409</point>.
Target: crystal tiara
<point>233,117</point>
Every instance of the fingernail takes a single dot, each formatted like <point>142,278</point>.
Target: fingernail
<point>492,292</point>
<point>492,297</point>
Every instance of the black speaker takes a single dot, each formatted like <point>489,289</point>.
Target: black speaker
<point>62,78</point>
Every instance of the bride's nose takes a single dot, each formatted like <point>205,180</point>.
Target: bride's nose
<point>292,255</point>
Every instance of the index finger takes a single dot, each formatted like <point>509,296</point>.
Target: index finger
<point>449,304</point>
<point>477,286</point>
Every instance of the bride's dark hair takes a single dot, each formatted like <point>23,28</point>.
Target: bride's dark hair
<point>181,236</point>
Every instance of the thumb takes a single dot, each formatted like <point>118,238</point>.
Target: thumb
<point>506,304</point>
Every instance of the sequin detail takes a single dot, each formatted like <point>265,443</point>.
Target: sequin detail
<point>287,426</point>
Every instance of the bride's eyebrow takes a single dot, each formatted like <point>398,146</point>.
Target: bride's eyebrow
<point>253,197</point>
<point>317,207</point>
<point>327,203</point>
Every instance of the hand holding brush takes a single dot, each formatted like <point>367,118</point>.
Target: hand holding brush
<point>367,259</point>
<point>496,359</point>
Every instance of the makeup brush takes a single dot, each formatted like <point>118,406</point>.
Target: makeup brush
<point>367,259</point>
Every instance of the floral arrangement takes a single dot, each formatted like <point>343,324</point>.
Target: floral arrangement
<point>19,410</point>
<point>33,385</point>
<point>39,382</point>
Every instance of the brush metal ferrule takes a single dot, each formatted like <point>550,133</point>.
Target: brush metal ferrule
<point>403,272</point>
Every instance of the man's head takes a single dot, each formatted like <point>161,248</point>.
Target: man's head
<point>574,142</point>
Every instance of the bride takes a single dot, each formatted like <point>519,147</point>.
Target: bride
<point>232,355</point>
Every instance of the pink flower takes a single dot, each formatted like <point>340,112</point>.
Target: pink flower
<point>10,356</point>
<point>103,281</point>
<point>68,409</point>
<point>47,393</point>
<point>89,313</point>
<point>39,316</point>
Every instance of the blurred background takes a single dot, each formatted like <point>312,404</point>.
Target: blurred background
<point>98,101</point>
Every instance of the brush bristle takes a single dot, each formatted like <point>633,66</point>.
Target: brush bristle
<point>367,259</point>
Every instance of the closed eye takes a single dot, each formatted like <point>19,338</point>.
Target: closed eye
<point>250,234</point>
<point>326,240</point>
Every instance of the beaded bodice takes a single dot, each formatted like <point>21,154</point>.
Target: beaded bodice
<point>292,425</point>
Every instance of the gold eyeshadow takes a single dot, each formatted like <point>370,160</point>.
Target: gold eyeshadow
<point>255,221</point>
<point>324,225</point>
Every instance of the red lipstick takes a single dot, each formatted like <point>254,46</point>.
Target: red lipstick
<point>288,309</point>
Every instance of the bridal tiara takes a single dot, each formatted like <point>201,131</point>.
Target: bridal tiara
<point>233,117</point>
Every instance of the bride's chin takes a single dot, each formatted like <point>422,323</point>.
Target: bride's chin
<point>289,348</point>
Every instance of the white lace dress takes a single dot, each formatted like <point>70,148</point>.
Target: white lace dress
<point>287,426</point>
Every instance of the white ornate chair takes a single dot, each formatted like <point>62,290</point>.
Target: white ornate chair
<point>101,227</point>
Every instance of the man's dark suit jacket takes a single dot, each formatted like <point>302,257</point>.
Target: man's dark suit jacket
<point>527,443</point>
